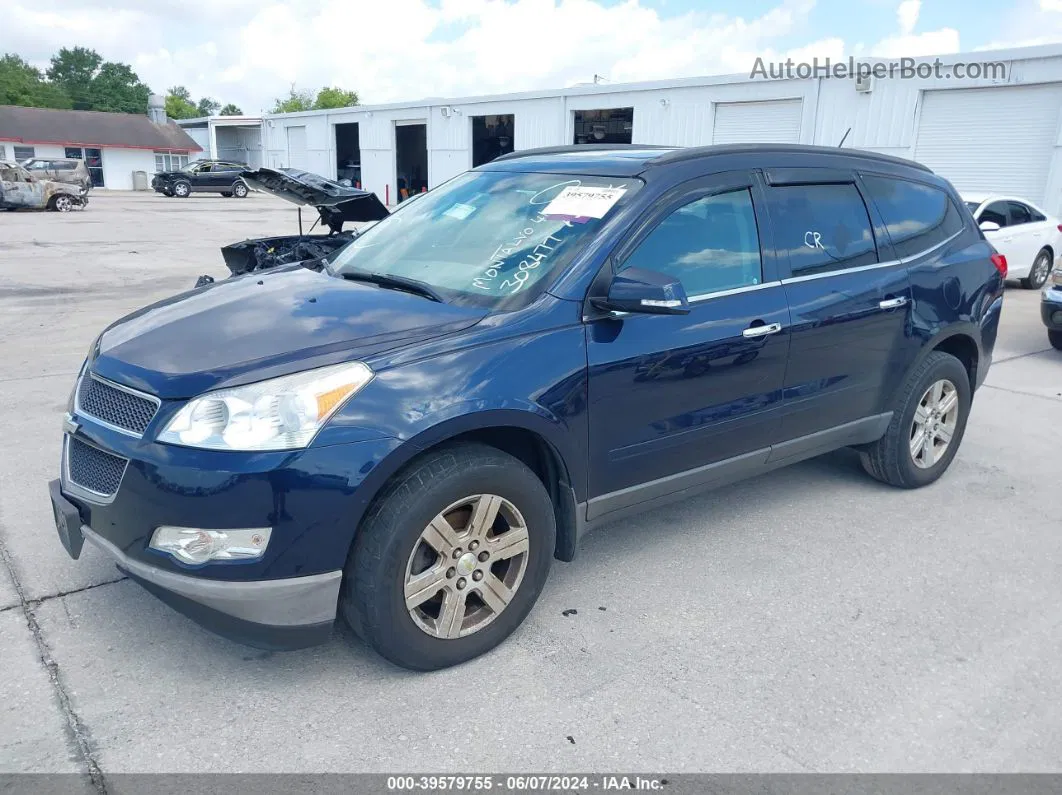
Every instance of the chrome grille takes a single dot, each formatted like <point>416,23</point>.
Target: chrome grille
<point>92,469</point>
<point>118,407</point>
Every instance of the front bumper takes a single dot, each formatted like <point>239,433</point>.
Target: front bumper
<point>287,613</point>
<point>309,498</point>
<point>1050,307</point>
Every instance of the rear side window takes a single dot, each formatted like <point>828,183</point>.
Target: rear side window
<point>916,216</point>
<point>995,212</point>
<point>710,244</point>
<point>822,227</point>
<point>1019,213</point>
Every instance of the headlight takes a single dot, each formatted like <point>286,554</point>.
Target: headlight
<point>280,414</point>
<point>1056,276</point>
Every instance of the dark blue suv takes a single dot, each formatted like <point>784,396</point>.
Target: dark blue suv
<point>407,431</point>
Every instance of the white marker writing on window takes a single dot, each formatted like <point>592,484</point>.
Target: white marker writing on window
<point>813,240</point>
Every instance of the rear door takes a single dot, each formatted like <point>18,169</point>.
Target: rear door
<point>672,395</point>
<point>850,302</point>
<point>1002,239</point>
<point>1029,234</point>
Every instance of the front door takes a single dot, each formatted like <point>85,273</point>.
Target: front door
<point>679,401</point>
<point>19,189</point>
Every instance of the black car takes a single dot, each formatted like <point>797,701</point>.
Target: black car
<point>202,176</point>
<point>406,432</point>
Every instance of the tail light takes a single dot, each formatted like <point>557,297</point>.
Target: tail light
<point>1001,264</point>
<point>1060,227</point>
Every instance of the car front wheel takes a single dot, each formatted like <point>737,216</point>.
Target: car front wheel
<point>181,189</point>
<point>239,190</point>
<point>928,423</point>
<point>62,203</point>
<point>450,559</point>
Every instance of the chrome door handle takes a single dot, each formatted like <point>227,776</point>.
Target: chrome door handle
<point>893,303</point>
<point>761,331</point>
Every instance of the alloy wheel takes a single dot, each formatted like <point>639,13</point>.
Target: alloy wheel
<point>63,203</point>
<point>934,423</point>
<point>1040,271</point>
<point>466,566</point>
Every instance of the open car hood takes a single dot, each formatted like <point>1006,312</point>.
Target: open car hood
<point>336,203</point>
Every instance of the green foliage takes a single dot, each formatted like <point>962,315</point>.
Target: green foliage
<point>294,102</point>
<point>22,84</point>
<point>79,78</point>
<point>74,70</point>
<point>179,104</point>
<point>230,110</point>
<point>335,98</point>
<point>325,99</point>
<point>207,106</point>
<point>116,88</point>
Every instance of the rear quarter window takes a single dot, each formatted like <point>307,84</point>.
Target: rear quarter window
<point>917,217</point>
<point>822,227</point>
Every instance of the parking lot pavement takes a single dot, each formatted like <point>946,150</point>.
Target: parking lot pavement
<point>811,619</point>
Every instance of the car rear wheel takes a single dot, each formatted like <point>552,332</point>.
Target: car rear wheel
<point>182,189</point>
<point>239,190</point>
<point>1041,269</point>
<point>450,559</point>
<point>928,423</point>
<point>1055,338</point>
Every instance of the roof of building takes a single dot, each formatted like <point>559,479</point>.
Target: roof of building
<point>91,128</point>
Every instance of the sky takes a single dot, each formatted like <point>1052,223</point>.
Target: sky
<point>251,51</point>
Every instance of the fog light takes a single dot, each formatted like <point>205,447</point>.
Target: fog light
<point>195,545</point>
<point>1056,317</point>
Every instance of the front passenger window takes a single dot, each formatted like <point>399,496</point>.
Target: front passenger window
<point>709,245</point>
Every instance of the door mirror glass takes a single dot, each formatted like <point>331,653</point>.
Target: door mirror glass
<point>644,292</point>
<point>990,226</point>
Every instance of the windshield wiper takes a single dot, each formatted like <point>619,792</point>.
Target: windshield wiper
<point>395,283</point>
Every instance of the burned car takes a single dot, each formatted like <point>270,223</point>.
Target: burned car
<point>336,205</point>
<point>70,170</point>
<point>20,190</point>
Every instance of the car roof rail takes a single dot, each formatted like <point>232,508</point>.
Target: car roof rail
<point>696,152</point>
<point>558,150</point>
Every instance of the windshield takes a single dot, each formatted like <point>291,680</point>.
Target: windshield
<point>488,238</point>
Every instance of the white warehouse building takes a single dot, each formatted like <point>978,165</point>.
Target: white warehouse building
<point>997,132</point>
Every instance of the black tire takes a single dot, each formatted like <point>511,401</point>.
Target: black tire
<point>372,599</point>
<point>167,192</point>
<point>1055,338</point>
<point>1041,269</point>
<point>889,459</point>
<point>239,190</point>
<point>182,189</point>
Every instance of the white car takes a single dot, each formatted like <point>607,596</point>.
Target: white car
<point>1029,238</point>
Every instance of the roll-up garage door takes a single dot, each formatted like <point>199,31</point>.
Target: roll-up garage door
<point>775,122</point>
<point>297,147</point>
<point>991,139</point>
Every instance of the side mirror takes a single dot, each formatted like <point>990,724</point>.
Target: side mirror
<point>990,226</point>
<point>644,292</point>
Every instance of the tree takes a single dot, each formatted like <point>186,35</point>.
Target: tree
<point>179,104</point>
<point>294,102</point>
<point>118,89</point>
<point>207,106</point>
<point>23,84</point>
<point>73,71</point>
<point>335,98</point>
<point>230,110</point>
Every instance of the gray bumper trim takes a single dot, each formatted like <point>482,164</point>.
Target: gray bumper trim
<point>291,602</point>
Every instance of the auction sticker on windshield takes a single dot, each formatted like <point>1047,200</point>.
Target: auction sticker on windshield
<point>582,202</point>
